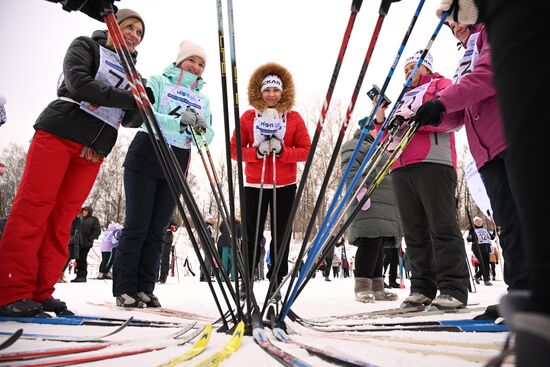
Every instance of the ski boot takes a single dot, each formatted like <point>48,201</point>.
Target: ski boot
<point>447,302</point>
<point>416,299</point>
<point>129,300</point>
<point>57,306</point>
<point>23,308</point>
<point>149,299</point>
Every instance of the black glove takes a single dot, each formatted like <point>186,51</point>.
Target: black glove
<point>150,95</point>
<point>430,113</point>
<point>92,8</point>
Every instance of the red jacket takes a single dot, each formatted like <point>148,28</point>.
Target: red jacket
<point>295,149</point>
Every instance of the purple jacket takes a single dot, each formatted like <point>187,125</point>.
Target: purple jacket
<point>474,99</point>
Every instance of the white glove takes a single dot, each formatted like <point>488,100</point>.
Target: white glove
<point>465,9</point>
<point>263,149</point>
<point>276,146</point>
<point>270,113</point>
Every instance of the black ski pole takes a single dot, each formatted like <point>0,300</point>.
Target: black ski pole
<point>170,171</point>
<point>229,164</point>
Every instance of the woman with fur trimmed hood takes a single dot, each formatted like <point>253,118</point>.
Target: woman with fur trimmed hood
<point>271,127</point>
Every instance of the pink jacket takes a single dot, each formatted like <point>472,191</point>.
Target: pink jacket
<point>473,102</point>
<point>430,144</point>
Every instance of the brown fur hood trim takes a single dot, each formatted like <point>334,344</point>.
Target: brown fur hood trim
<point>254,94</point>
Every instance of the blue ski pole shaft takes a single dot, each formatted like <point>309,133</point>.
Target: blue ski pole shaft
<point>316,246</point>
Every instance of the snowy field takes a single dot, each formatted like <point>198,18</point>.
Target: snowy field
<point>320,298</point>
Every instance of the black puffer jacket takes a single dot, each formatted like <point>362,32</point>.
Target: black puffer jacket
<point>66,119</point>
<point>89,228</point>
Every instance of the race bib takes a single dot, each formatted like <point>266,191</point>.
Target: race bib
<point>174,101</point>
<point>469,59</point>
<point>112,73</point>
<point>265,128</point>
<point>407,107</point>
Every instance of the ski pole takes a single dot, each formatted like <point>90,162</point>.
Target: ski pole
<point>247,276</point>
<point>169,167</point>
<point>355,7</point>
<point>229,164</point>
<point>258,213</point>
<point>309,262</point>
<point>383,10</point>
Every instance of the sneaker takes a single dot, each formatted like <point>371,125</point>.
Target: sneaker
<point>78,280</point>
<point>447,302</point>
<point>149,299</point>
<point>129,300</point>
<point>22,308</point>
<point>55,305</point>
<point>477,280</point>
<point>487,283</point>
<point>416,299</point>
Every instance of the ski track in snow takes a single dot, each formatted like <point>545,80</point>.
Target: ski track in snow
<point>320,298</point>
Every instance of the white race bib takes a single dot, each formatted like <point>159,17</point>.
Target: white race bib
<point>407,107</point>
<point>469,59</point>
<point>265,128</point>
<point>112,73</point>
<point>174,102</point>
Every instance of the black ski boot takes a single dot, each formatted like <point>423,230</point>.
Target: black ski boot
<point>149,299</point>
<point>129,300</point>
<point>490,313</point>
<point>23,308</point>
<point>57,306</point>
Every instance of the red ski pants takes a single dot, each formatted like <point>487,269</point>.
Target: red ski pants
<point>34,245</point>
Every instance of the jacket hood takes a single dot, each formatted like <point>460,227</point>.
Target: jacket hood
<point>255,82</point>
<point>89,209</point>
<point>172,72</point>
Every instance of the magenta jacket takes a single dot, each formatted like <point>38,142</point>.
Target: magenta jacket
<point>473,101</point>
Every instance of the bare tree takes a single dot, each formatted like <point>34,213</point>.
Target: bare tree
<point>13,157</point>
<point>107,195</point>
<point>319,165</point>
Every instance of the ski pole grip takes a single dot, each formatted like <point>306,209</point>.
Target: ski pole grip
<point>106,8</point>
<point>356,5</point>
<point>384,7</point>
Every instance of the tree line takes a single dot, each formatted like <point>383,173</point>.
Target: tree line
<point>107,195</point>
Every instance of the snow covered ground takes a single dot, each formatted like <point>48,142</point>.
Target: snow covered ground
<point>320,298</point>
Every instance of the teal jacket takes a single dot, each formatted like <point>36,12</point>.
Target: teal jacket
<point>167,116</point>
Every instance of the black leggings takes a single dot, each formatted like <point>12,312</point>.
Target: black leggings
<point>369,258</point>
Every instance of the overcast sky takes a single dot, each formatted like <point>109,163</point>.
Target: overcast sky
<point>302,35</point>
